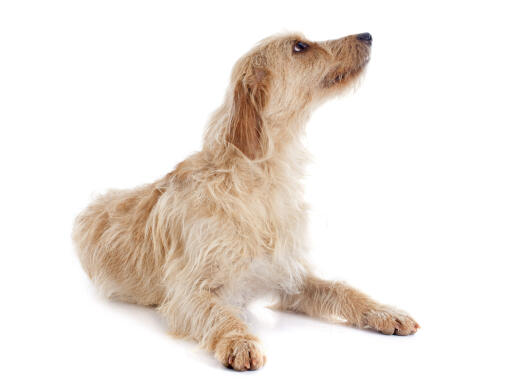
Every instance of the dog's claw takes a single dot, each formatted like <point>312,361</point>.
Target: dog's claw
<point>240,353</point>
<point>388,320</point>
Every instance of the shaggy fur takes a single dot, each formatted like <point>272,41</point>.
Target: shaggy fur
<point>228,224</point>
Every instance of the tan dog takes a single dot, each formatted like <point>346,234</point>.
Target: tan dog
<point>228,224</point>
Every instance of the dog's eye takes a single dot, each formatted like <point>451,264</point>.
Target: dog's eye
<point>300,46</point>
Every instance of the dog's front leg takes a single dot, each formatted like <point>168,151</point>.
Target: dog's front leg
<point>321,298</point>
<point>202,316</point>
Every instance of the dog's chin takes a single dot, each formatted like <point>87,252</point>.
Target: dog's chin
<point>339,78</point>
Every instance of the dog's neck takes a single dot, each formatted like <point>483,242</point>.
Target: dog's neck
<point>284,131</point>
<point>280,170</point>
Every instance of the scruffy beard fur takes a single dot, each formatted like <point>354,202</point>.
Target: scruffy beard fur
<point>228,224</point>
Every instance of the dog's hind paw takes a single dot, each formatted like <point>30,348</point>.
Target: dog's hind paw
<point>389,320</point>
<point>240,352</point>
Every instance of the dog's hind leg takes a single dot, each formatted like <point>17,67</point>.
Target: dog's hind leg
<point>203,317</point>
<point>321,298</point>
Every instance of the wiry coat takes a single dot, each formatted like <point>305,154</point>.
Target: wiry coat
<point>228,224</point>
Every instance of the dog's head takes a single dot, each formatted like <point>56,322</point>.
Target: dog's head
<point>275,86</point>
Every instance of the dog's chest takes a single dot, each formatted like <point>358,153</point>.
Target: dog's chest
<point>265,276</point>
<point>261,238</point>
<point>280,264</point>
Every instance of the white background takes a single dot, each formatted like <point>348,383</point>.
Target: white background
<point>410,186</point>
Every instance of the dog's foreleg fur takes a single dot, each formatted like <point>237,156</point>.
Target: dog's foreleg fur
<point>320,298</point>
<point>203,317</point>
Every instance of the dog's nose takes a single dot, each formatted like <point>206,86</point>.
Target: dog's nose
<point>366,36</point>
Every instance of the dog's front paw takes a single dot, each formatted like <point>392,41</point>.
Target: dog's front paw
<point>389,320</point>
<point>240,352</point>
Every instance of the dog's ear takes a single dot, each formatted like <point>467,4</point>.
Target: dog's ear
<point>246,128</point>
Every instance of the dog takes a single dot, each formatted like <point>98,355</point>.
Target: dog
<point>228,224</point>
